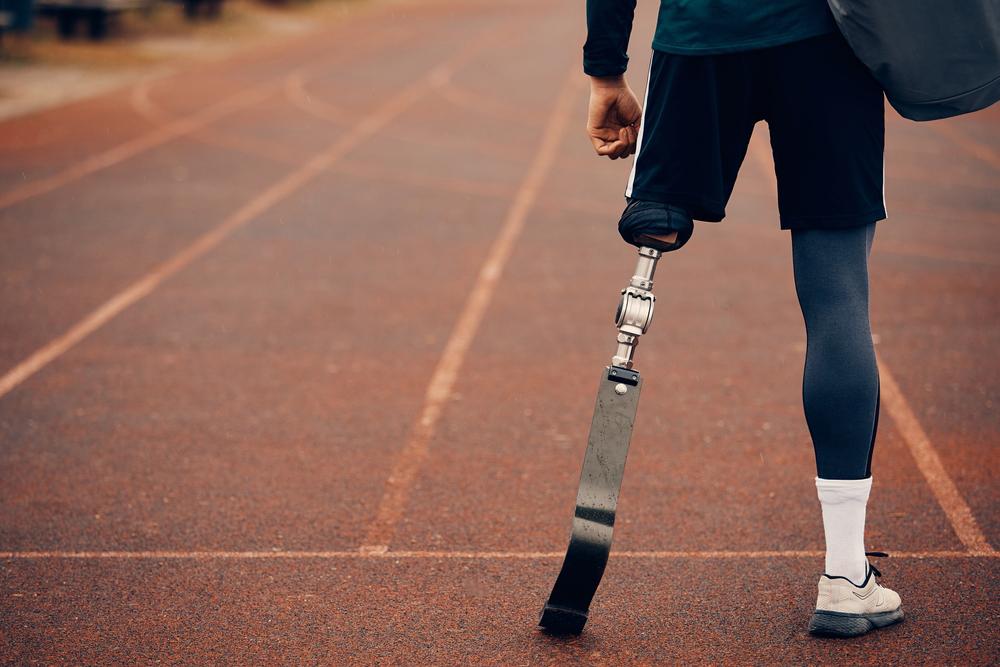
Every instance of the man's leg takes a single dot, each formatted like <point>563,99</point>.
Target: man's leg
<point>840,395</point>
<point>840,383</point>
<point>825,113</point>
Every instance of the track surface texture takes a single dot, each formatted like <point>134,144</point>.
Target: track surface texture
<point>298,353</point>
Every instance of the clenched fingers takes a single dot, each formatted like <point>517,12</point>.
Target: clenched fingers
<point>615,145</point>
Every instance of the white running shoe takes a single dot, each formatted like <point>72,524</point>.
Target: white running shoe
<point>846,610</point>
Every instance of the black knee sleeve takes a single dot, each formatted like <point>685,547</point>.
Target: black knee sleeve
<point>648,218</point>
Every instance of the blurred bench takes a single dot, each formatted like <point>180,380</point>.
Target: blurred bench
<point>96,13</point>
<point>195,9</point>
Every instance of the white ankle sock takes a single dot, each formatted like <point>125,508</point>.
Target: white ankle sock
<point>844,502</point>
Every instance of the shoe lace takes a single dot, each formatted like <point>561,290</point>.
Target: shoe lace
<point>876,554</point>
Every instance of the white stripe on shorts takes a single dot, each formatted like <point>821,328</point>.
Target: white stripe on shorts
<point>884,206</point>
<point>642,128</point>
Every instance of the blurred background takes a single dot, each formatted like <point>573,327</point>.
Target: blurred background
<point>52,52</point>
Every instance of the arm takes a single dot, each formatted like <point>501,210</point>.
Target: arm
<point>614,114</point>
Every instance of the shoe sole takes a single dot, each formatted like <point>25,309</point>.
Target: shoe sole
<point>841,624</point>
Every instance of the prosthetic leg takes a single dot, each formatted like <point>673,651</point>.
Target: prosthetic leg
<point>611,428</point>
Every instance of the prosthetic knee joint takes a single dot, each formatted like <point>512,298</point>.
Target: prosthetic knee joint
<point>635,310</point>
<point>649,225</point>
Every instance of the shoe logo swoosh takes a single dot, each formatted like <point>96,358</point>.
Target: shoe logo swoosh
<point>866,595</point>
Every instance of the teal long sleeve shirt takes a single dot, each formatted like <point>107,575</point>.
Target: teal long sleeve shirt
<point>700,27</point>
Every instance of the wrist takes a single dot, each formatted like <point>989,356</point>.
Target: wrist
<point>607,82</point>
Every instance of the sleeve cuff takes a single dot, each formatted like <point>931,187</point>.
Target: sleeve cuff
<point>604,66</point>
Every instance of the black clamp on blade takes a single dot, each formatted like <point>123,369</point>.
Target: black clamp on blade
<point>623,375</point>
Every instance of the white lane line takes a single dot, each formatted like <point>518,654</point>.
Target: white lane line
<point>414,452</point>
<point>299,97</point>
<point>143,104</point>
<point>475,102</point>
<point>124,151</point>
<point>368,125</point>
<point>975,148</point>
<point>458,555</point>
<point>924,454</point>
<point>959,514</point>
<point>141,101</point>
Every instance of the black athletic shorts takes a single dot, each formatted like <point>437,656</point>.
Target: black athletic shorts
<point>826,119</point>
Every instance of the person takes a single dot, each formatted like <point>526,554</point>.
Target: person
<point>718,67</point>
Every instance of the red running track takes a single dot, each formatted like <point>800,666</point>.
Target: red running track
<point>298,353</point>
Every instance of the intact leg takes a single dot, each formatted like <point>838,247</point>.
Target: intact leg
<point>840,383</point>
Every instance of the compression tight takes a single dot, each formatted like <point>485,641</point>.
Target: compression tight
<point>840,388</point>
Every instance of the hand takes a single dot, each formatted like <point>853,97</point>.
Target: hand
<point>613,118</point>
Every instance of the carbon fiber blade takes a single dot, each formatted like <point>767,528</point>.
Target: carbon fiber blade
<point>596,502</point>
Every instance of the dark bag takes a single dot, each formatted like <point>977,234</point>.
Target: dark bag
<point>934,58</point>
